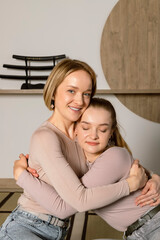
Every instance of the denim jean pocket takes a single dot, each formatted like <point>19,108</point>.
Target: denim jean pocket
<point>24,218</point>
<point>23,225</point>
<point>37,226</point>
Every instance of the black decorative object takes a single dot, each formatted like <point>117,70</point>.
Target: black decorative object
<point>27,68</point>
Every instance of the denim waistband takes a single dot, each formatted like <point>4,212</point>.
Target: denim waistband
<point>50,219</point>
<point>149,215</point>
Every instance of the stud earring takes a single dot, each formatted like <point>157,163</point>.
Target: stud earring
<point>52,103</point>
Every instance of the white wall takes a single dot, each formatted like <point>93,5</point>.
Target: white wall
<point>51,27</point>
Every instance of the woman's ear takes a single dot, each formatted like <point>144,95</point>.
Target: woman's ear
<point>75,132</point>
<point>76,128</point>
<point>52,98</point>
<point>111,133</point>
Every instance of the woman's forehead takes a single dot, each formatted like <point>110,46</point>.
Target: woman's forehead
<point>81,75</point>
<point>96,114</point>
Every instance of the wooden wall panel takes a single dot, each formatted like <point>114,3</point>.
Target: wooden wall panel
<point>130,54</point>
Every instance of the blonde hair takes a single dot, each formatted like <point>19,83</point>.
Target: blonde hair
<point>116,138</point>
<point>60,72</point>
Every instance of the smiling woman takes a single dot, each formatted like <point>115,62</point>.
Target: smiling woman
<point>60,73</point>
<point>60,161</point>
<point>71,84</point>
<point>72,98</point>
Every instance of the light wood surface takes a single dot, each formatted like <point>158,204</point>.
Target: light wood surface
<point>99,91</point>
<point>130,53</point>
<point>9,185</point>
<point>20,91</point>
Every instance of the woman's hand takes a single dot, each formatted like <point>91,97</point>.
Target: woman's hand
<point>151,193</point>
<point>31,170</point>
<point>21,165</point>
<point>137,177</point>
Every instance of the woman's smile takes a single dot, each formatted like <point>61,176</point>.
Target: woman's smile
<point>75,108</point>
<point>92,143</point>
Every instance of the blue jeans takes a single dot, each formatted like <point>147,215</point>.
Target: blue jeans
<point>149,231</point>
<point>22,225</point>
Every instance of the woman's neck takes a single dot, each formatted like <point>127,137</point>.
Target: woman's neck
<point>90,157</point>
<point>67,127</point>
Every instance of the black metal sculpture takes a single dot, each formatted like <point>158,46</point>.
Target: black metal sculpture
<point>27,68</point>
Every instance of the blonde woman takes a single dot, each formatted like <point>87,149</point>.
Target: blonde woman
<point>59,160</point>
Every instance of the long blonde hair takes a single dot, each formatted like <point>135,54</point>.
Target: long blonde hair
<point>60,72</point>
<point>116,138</point>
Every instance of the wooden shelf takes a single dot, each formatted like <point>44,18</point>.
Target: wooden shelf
<point>128,91</point>
<point>99,91</point>
<point>21,91</point>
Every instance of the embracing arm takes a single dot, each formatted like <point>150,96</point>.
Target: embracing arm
<point>65,181</point>
<point>46,196</point>
<point>107,174</point>
<point>112,166</point>
<point>150,195</point>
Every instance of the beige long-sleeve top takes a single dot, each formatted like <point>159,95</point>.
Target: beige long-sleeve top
<point>60,162</point>
<point>112,166</point>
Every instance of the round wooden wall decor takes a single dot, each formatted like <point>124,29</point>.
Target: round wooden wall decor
<point>130,54</point>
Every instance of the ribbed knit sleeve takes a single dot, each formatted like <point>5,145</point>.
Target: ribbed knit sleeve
<point>46,149</point>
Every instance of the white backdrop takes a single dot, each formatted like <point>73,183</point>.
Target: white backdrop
<point>52,27</point>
